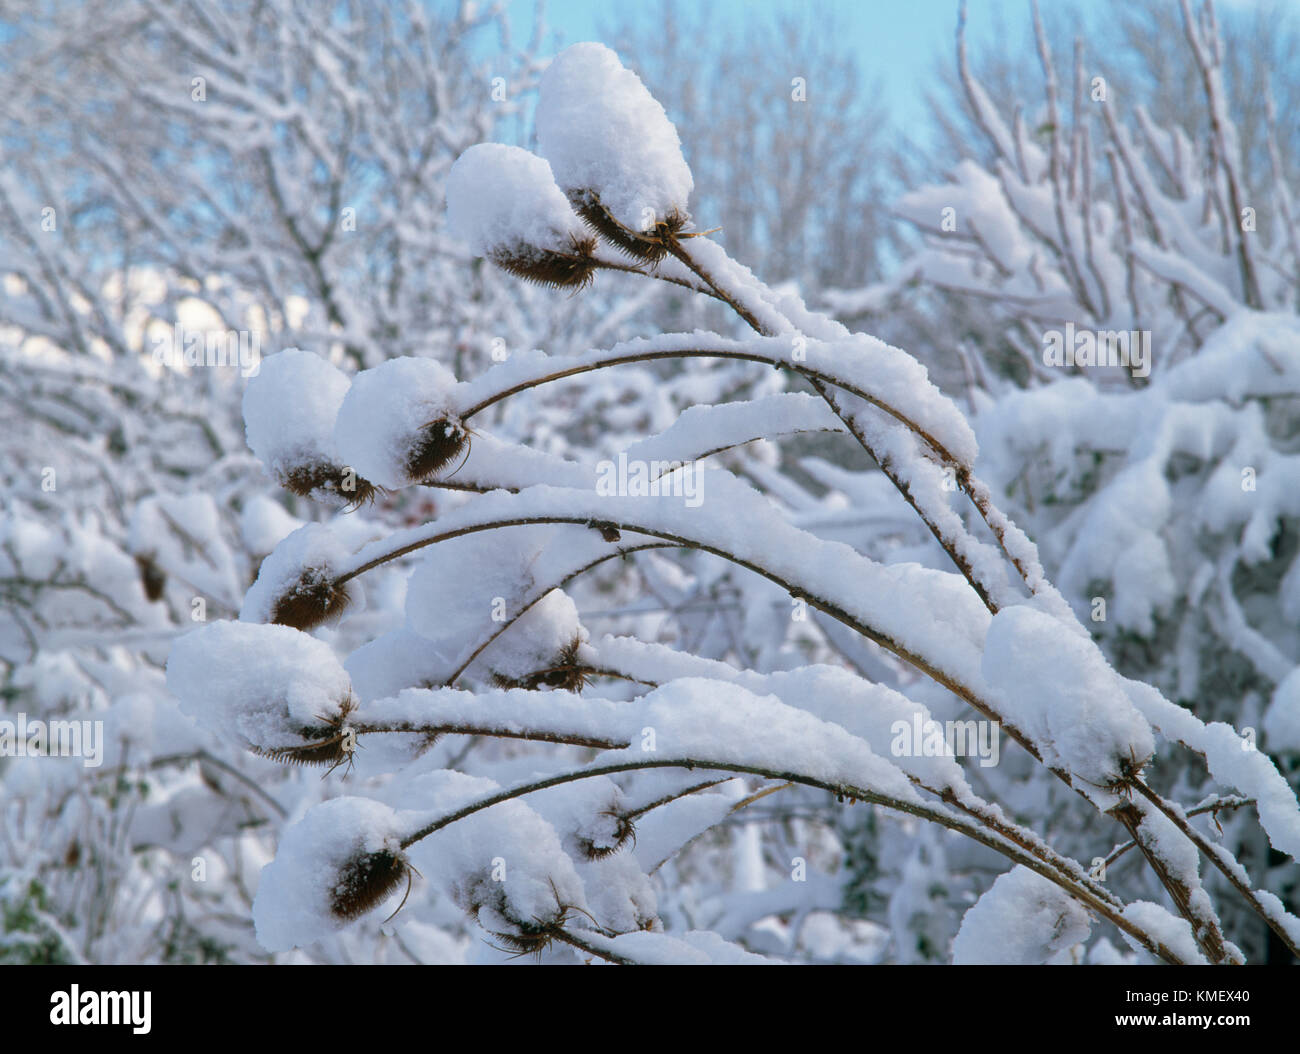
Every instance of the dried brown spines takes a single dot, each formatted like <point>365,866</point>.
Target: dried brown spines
<point>572,268</point>
<point>532,938</point>
<point>650,245</point>
<point>526,936</point>
<point>366,880</point>
<point>624,831</point>
<point>328,743</point>
<point>436,445</point>
<point>312,601</point>
<point>567,673</point>
<point>311,479</point>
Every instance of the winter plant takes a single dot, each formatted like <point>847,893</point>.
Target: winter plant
<point>1161,495</point>
<point>637,747</point>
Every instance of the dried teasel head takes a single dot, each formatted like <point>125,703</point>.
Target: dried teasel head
<point>623,831</point>
<point>398,422</point>
<point>273,690</point>
<point>366,880</point>
<point>289,411</point>
<point>326,743</point>
<point>503,201</point>
<point>435,446</point>
<point>325,480</point>
<point>299,584</point>
<point>341,859</point>
<point>650,245</point>
<point>567,672</point>
<point>314,599</point>
<point>572,267</point>
<point>529,936</point>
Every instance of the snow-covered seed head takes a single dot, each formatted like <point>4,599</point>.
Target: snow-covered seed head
<point>436,445</point>
<point>323,743</point>
<point>531,938</point>
<point>338,861</point>
<point>398,424</point>
<point>573,268</point>
<point>298,583</point>
<point>366,880</point>
<point>520,936</point>
<point>327,481</point>
<point>503,201</point>
<point>271,689</point>
<point>289,412</point>
<point>310,601</point>
<point>153,580</point>
<point>611,148</point>
<point>617,830</point>
<point>565,670</point>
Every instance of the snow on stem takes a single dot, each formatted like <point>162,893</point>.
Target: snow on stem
<point>935,814</point>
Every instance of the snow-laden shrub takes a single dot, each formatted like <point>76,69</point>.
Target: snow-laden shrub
<point>615,752</point>
<point>1134,388</point>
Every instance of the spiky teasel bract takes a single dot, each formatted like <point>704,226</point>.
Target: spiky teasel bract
<point>623,830</point>
<point>321,479</point>
<point>314,599</point>
<point>367,879</point>
<point>1121,785</point>
<point>566,672</point>
<point>435,446</point>
<point>573,268</point>
<point>650,245</point>
<point>530,936</point>
<point>328,743</point>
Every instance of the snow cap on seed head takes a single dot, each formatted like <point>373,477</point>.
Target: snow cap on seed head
<point>397,424</point>
<point>470,576</point>
<point>504,202</point>
<point>297,583</point>
<point>604,134</point>
<point>343,858</point>
<point>289,410</point>
<point>271,689</point>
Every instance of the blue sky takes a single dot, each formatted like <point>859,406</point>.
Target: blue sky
<point>898,41</point>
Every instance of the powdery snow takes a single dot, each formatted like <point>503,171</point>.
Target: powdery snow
<point>602,131</point>
<point>503,198</point>
<point>1059,689</point>
<point>258,685</point>
<point>1173,932</point>
<point>1023,919</point>
<point>380,418</point>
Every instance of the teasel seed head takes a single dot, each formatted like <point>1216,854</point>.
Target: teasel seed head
<point>153,580</point>
<point>435,446</point>
<point>314,599</point>
<point>572,267</point>
<point>650,245</point>
<point>624,831</point>
<point>324,480</point>
<point>566,672</point>
<point>327,743</point>
<point>366,880</point>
